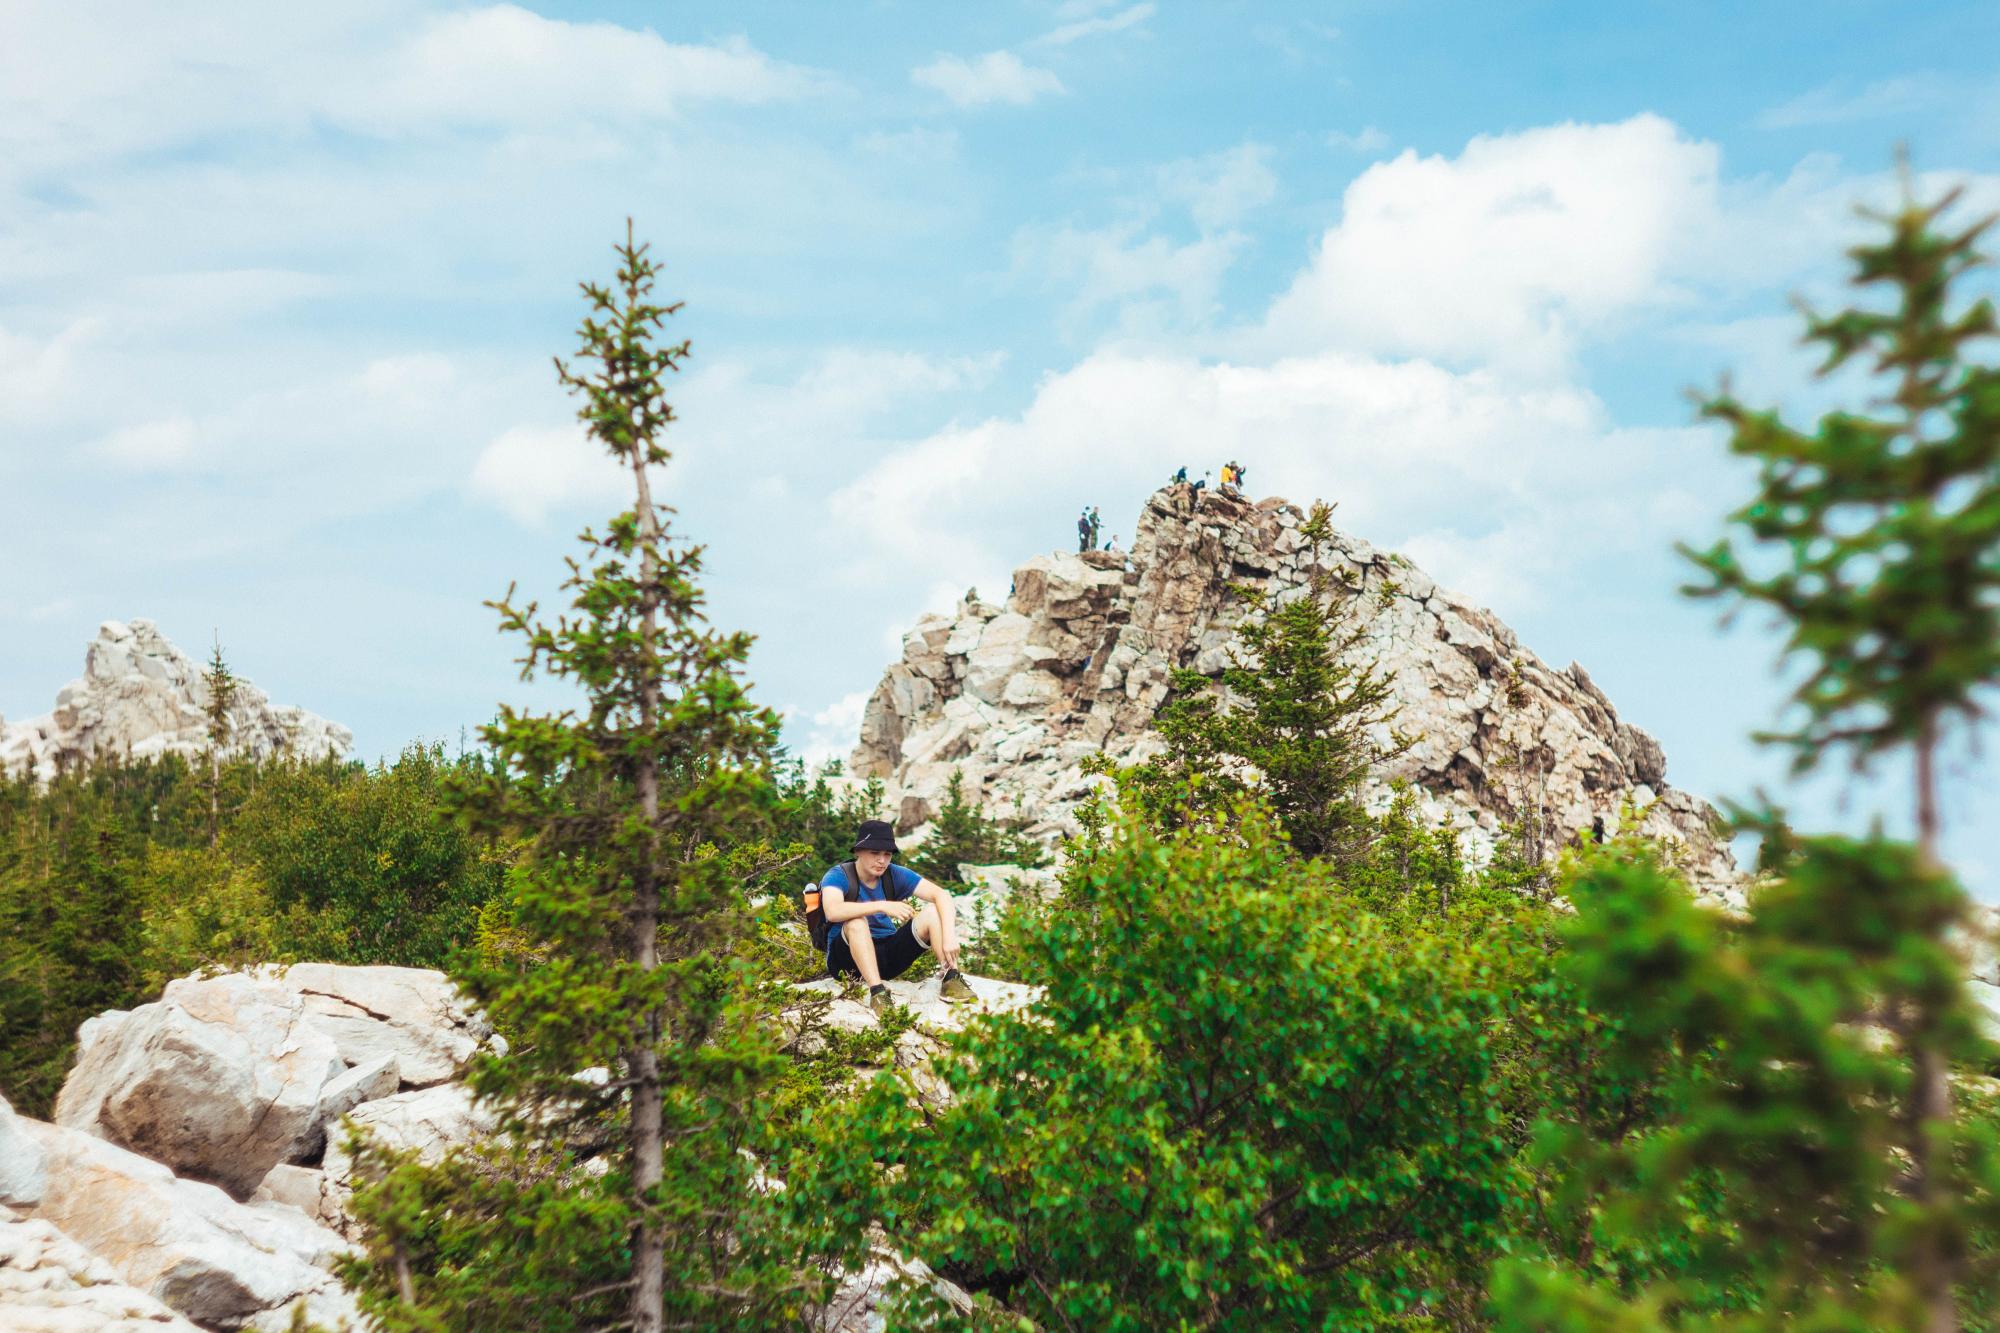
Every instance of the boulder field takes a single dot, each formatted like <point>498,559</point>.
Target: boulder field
<point>194,1175</point>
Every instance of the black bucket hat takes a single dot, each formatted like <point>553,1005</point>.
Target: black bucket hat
<point>876,835</point>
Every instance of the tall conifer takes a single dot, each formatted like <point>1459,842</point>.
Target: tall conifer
<point>221,685</point>
<point>1886,535</point>
<point>630,1019</point>
<point>1815,1050</point>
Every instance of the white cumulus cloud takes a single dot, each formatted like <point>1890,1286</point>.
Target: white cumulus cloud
<point>997,76</point>
<point>1508,252</point>
<point>1471,466</point>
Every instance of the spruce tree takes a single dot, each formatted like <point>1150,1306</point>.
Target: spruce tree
<point>1852,1180</point>
<point>1886,533</point>
<point>1299,713</point>
<point>629,916</point>
<point>221,686</point>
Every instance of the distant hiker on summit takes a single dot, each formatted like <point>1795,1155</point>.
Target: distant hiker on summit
<point>1095,528</point>
<point>1083,531</point>
<point>863,915</point>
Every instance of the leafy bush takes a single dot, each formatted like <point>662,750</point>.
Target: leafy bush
<point>372,853</point>
<point>203,910</point>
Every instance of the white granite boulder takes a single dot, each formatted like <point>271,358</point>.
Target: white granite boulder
<point>430,1121</point>
<point>307,1189</point>
<point>50,1284</point>
<point>24,1166</point>
<point>185,1243</point>
<point>414,1014</point>
<point>220,1079</point>
<point>363,1083</point>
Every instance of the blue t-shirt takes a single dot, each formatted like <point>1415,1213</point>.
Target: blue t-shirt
<point>900,881</point>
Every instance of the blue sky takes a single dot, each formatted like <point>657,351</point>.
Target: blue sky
<point>278,290</point>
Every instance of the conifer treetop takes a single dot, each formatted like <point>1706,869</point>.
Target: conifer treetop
<point>1877,537</point>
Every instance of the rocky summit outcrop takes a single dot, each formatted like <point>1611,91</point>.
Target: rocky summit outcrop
<point>141,696</point>
<point>1078,659</point>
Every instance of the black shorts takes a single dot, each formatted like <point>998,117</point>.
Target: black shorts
<point>893,954</point>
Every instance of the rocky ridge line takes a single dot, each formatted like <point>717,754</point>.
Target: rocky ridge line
<point>1078,659</point>
<point>141,696</point>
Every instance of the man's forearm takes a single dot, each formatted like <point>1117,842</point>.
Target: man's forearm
<point>842,912</point>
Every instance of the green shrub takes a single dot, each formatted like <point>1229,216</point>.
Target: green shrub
<point>372,854</point>
<point>1234,1108</point>
<point>202,910</point>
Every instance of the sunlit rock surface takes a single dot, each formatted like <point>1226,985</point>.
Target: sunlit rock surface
<point>1077,660</point>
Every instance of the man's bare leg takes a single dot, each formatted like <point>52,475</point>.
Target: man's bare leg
<point>936,928</point>
<point>861,946</point>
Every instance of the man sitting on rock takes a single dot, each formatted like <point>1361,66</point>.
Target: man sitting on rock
<point>874,932</point>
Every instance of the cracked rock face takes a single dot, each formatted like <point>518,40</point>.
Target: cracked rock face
<point>220,1079</point>
<point>414,1017</point>
<point>1078,660</point>
<point>197,1171</point>
<point>140,695</point>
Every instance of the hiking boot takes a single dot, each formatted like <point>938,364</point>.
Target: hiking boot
<point>881,1001</point>
<point>955,989</point>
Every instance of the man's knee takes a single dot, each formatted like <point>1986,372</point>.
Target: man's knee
<point>856,931</point>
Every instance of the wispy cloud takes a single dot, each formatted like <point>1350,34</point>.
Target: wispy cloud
<point>152,445</point>
<point>1095,26</point>
<point>1838,104</point>
<point>1302,43</point>
<point>1368,139</point>
<point>67,99</point>
<point>503,65</point>
<point>1150,284</point>
<point>997,76</point>
<point>1223,188</point>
